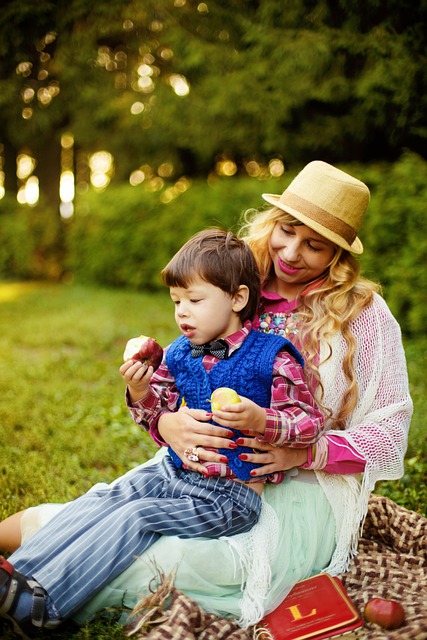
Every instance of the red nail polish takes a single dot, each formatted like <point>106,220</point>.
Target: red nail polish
<point>243,456</point>
<point>224,459</point>
<point>253,473</point>
<point>233,445</point>
<point>240,441</point>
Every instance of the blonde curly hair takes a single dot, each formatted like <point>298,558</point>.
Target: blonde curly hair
<point>323,311</point>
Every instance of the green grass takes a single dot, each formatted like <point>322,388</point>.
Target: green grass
<point>63,420</point>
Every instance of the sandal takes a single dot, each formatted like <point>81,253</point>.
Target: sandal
<point>13,585</point>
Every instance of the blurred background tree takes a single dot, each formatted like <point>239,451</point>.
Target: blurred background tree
<point>185,83</point>
<point>111,111</point>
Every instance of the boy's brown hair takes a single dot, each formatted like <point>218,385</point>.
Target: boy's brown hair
<point>220,258</point>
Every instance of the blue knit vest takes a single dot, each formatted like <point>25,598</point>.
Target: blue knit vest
<point>248,371</point>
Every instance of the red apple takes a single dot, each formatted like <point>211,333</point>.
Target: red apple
<point>144,349</point>
<point>389,614</point>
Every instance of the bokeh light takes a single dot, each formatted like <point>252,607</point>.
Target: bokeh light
<point>66,186</point>
<point>25,166</point>
<point>179,84</point>
<point>226,167</point>
<point>137,108</point>
<point>101,166</point>
<point>136,177</point>
<point>172,192</point>
<point>276,167</point>
<point>28,193</point>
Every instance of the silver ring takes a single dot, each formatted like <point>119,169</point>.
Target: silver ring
<point>191,454</point>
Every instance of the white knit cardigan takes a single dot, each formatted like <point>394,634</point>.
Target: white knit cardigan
<point>378,427</point>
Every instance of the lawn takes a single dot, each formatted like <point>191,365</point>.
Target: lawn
<point>63,421</point>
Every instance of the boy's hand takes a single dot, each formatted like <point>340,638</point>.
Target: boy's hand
<point>243,415</point>
<point>137,376</point>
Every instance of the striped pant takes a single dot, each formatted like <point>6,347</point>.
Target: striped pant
<point>98,535</point>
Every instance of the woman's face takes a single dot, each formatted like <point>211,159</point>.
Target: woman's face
<point>299,255</point>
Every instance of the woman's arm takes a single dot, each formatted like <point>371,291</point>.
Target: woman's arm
<point>378,427</point>
<point>333,453</point>
<point>292,418</point>
<point>376,434</point>
<point>189,428</point>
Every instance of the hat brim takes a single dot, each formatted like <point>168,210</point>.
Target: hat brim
<point>356,246</point>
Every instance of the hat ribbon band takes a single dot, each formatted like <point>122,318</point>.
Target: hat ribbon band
<point>319,215</point>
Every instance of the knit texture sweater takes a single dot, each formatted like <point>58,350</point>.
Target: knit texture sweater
<point>248,371</point>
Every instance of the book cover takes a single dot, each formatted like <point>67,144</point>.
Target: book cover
<point>316,608</point>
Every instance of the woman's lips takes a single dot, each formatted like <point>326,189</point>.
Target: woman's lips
<point>286,268</point>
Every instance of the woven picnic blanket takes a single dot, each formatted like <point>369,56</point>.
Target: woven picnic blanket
<point>391,563</point>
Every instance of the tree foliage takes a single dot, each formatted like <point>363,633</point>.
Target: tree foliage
<point>124,236</point>
<point>335,79</point>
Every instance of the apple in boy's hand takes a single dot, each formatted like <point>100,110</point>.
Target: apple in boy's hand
<point>222,397</point>
<point>389,614</point>
<point>144,349</point>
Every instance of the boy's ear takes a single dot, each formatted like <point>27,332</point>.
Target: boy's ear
<point>240,298</point>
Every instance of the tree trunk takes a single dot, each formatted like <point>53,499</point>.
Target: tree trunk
<point>48,171</point>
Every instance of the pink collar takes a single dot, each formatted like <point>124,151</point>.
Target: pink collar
<point>289,305</point>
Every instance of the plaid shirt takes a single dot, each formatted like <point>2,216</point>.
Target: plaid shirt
<point>293,417</point>
<point>332,453</point>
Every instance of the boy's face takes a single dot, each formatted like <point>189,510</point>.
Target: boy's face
<point>204,312</point>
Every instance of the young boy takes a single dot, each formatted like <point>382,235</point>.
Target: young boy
<point>214,284</point>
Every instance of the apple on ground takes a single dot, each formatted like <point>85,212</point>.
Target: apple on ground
<point>222,397</point>
<point>144,349</point>
<point>389,614</point>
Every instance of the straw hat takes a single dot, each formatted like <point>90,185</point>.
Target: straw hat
<point>327,200</point>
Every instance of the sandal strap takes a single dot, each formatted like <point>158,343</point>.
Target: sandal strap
<point>10,595</point>
<point>6,575</point>
<point>16,582</point>
<point>39,602</point>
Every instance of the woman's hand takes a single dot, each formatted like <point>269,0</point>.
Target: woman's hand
<point>271,458</point>
<point>188,428</point>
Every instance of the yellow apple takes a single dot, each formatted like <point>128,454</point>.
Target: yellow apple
<point>223,396</point>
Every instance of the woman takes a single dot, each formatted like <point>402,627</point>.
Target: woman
<point>314,295</point>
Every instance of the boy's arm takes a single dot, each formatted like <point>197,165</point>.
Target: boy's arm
<point>332,453</point>
<point>162,396</point>
<point>293,418</point>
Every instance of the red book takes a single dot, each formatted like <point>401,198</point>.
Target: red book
<point>318,607</point>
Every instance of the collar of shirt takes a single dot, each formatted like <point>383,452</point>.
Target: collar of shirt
<point>234,341</point>
<point>271,297</point>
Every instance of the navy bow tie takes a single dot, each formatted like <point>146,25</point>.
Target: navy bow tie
<point>217,348</point>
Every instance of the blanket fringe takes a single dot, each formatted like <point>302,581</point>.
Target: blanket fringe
<point>262,633</point>
<point>152,609</point>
